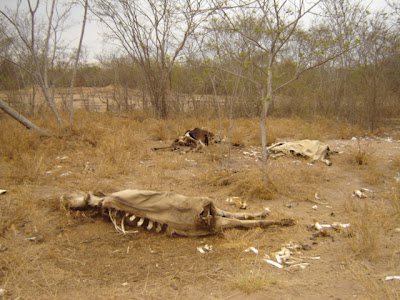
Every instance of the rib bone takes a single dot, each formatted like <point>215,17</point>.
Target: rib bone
<point>150,226</point>
<point>140,222</point>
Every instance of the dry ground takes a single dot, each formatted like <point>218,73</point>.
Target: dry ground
<point>80,256</point>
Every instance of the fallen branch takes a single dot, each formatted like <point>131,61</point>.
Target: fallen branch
<point>21,119</point>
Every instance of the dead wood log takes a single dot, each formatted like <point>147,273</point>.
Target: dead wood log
<point>21,119</point>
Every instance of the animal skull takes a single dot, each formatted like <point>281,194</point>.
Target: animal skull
<point>168,212</point>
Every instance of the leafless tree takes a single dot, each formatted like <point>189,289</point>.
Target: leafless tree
<point>37,41</point>
<point>75,67</point>
<point>272,31</point>
<point>153,33</point>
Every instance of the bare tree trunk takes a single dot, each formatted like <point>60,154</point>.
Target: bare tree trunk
<point>70,102</point>
<point>20,118</point>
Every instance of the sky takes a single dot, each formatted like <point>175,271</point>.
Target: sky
<point>94,44</point>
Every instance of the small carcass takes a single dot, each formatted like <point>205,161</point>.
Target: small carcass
<point>313,149</point>
<point>193,139</point>
<point>168,212</point>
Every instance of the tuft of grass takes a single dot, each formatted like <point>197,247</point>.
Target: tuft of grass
<point>369,224</point>
<point>252,185</point>
<point>248,184</point>
<point>253,282</point>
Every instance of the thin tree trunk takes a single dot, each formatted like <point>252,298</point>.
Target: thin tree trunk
<point>21,119</point>
<point>44,80</point>
<point>266,101</point>
<point>70,102</point>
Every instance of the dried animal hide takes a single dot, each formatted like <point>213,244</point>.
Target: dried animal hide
<point>313,149</point>
<point>194,139</point>
<point>168,212</point>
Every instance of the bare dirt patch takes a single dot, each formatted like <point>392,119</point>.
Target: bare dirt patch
<point>49,253</point>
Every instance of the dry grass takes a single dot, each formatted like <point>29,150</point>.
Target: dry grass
<point>253,282</point>
<point>108,153</point>
<point>248,184</point>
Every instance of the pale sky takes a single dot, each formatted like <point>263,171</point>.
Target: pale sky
<point>93,40</point>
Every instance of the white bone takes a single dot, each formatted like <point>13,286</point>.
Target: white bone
<point>123,225</point>
<point>273,263</point>
<point>140,223</point>
<point>389,278</point>
<point>113,220</point>
<point>252,249</point>
<point>159,227</point>
<point>150,226</point>
<point>132,218</point>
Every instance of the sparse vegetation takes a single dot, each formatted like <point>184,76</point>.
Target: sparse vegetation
<point>224,66</point>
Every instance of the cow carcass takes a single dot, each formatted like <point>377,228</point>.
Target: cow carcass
<point>167,212</point>
<point>193,139</point>
<point>313,149</point>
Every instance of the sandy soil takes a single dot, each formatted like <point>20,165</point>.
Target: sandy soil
<point>75,255</point>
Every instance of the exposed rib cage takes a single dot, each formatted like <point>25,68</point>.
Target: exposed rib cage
<point>121,219</point>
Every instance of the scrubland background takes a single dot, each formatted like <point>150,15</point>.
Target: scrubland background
<point>102,119</point>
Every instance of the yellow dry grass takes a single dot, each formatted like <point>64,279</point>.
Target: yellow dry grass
<point>108,152</point>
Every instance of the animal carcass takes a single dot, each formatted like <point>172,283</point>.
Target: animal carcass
<point>193,139</point>
<point>167,212</point>
<point>313,149</point>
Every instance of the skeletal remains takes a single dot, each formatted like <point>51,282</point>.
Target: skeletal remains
<point>313,149</point>
<point>167,212</point>
<point>193,139</point>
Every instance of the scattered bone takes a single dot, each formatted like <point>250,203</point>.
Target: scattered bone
<point>66,174</point>
<point>335,225</point>
<point>359,194</point>
<point>315,207</point>
<point>252,249</point>
<point>313,258</point>
<point>35,238</point>
<point>390,278</point>
<point>204,249</point>
<point>2,192</point>
<point>124,284</point>
<point>62,157</point>
<point>273,263</point>
<point>132,218</point>
<point>283,255</point>
<point>300,265</point>
<point>238,202</point>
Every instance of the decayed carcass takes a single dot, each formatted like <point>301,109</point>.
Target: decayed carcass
<point>193,139</point>
<point>168,212</point>
<point>313,149</point>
